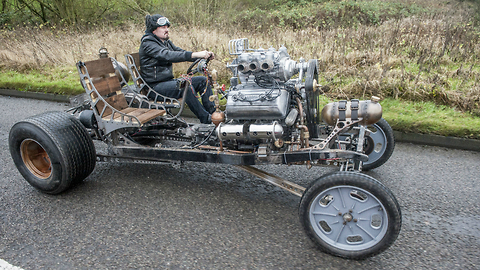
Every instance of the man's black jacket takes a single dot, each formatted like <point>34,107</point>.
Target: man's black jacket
<point>156,58</point>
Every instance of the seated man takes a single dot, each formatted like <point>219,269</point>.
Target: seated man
<point>157,53</point>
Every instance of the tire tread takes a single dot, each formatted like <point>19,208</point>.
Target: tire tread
<point>72,141</point>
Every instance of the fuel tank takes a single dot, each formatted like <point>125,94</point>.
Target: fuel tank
<point>370,111</point>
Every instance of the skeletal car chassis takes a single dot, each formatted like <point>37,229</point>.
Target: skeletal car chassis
<point>346,213</point>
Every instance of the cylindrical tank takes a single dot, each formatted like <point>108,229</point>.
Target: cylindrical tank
<point>231,132</point>
<point>369,110</point>
<point>270,131</point>
<point>248,132</point>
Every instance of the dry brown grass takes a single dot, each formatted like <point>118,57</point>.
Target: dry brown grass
<point>35,48</point>
<point>434,58</point>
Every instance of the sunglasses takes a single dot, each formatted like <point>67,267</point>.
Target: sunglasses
<point>163,21</point>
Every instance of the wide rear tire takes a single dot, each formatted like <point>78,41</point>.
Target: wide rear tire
<point>52,151</point>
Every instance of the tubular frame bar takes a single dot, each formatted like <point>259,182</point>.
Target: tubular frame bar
<point>274,180</point>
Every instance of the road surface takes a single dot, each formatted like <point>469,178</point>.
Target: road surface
<point>210,216</point>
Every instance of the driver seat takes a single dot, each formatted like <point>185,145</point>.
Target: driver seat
<point>133,66</point>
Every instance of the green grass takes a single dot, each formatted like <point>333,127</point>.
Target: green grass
<point>58,80</point>
<point>428,118</point>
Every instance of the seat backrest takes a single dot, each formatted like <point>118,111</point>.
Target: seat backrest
<point>158,100</point>
<point>133,65</point>
<point>136,58</point>
<point>102,74</point>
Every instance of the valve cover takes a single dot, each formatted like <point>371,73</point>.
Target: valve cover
<point>252,102</point>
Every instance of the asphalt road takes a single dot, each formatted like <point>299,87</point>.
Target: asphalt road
<point>208,216</point>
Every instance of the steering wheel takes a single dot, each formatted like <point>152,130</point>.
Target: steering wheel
<point>201,67</point>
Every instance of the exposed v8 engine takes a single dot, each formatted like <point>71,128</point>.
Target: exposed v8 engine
<point>259,105</point>
<point>265,105</point>
<point>264,93</point>
<point>273,104</point>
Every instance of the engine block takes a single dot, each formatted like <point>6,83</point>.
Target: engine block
<point>252,102</point>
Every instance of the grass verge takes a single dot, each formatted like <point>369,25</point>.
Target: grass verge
<point>54,80</point>
<point>429,118</point>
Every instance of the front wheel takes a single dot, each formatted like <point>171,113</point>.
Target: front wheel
<point>350,215</point>
<point>52,151</point>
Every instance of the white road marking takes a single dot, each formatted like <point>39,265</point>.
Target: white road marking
<point>6,266</point>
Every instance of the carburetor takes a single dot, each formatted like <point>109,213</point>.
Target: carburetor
<point>262,62</point>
